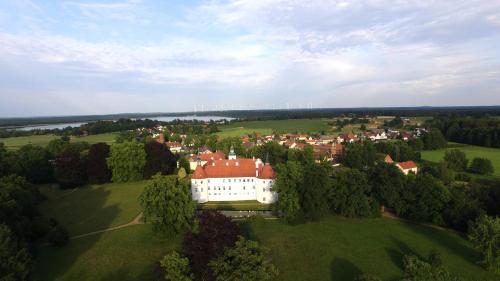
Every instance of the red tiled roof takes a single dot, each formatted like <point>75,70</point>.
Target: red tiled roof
<point>233,169</point>
<point>407,165</point>
<point>199,173</point>
<point>218,155</point>
<point>388,159</point>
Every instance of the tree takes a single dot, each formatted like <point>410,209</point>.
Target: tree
<point>159,159</point>
<point>485,234</point>
<point>176,267</point>
<point>215,233</point>
<point>246,261</point>
<point>70,168</point>
<point>126,161</point>
<point>271,151</point>
<point>456,160</point>
<point>417,269</point>
<point>366,277</point>
<point>184,163</point>
<point>425,198</point>
<point>388,183</point>
<point>56,146</point>
<point>15,260</point>
<point>167,203</point>
<point>32,162</point>
<point>462,209</point>
<point>349,194</point>
<point>289,179</point>
<point>359,155</point>
<point>4,164</point>
<point>481,166</point>
<point>313,192</point>
<point>434,140</point>
<point>97,168</point>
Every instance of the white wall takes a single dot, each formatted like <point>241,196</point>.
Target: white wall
<point>233,189</point>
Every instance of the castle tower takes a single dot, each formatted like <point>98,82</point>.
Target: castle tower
<point>232,155</point>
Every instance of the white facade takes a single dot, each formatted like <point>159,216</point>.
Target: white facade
<point>233,189</point>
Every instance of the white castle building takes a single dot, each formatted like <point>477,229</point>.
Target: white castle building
<point>233,180</point>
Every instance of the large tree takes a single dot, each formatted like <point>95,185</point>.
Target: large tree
<point>4,163</point>
<point>349,194</point>
<point>246,261</point>
<point>313,192</point>
<point>289,179</point>
<point>70,168</point>
<point>456,160</point>
<point>97,168</point>
<point>481,166</point>
<point>32,162</point>
<point>434,140</point>
<point>388,183</point>
<point>126,161</point>
<point>215,233</point>
<point>485,234</point>
<point>159,159</point>
<point>15,260</point>
<point>167,203</point>
<point>425,199</point>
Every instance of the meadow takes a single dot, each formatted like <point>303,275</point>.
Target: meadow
<point>471,151</point>
<point>333,248</point>
<point>265,127</point>
<point>14,143</point>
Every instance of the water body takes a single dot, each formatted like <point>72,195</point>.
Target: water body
<point>159,118</point>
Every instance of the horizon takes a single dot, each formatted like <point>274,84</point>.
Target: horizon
<point>74,58</point>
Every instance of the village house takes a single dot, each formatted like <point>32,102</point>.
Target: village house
<point>233,179</point>
<point>408,167</point>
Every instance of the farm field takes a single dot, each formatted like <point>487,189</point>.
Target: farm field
<point>268,126</point>
<point>331,249</point>
<point>471,151</point>
<point>42,140</point>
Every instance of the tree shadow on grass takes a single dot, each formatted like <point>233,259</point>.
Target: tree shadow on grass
<point>451,241</point>
<point>399,251</point>
<point>343,270</point>
<point>52,263</point>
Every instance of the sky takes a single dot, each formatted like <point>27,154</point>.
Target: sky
<point>98,57</point>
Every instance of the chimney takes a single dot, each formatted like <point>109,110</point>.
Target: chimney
<point>237,164</point>
<point>213,163</point>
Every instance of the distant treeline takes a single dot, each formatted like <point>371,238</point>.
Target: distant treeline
<point>269,114</point>
<point>99,127</point>
<point>482,131</point>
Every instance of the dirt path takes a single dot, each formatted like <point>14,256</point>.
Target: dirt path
<point>135,221</point>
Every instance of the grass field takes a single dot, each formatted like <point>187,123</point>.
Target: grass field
<point>235,206</point>
<point>268,126</point>
<point>42,140</point>
<point>93,207</point>
<point>471,151</point>
<point>122,255</point>
<point>339,249</point>
<point>331,249</point>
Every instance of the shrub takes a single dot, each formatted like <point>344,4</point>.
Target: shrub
<point>481,166</point>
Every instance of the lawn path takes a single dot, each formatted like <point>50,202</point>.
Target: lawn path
<point>135,221</point>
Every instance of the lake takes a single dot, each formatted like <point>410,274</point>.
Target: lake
<point>159,118</point>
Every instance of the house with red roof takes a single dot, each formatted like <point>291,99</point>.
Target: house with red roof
<point>234,179</point>
<point>407,167</point>
<point>202,158</point>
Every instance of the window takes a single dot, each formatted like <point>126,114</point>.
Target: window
<point>223,188</point>
<point>243,180</point>
<point>243,188</point>
<point>209,188</point>
<point>195,189</point>
<point>208,181</point>
<point>263,189</point>
<point>202,189</point>
<point>229,180</point>
<point>263,198</point>
<point>194,182</point>
<point>229,188</point>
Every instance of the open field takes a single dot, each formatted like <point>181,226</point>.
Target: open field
<point>268,126</point>
<point>252,205</point>
<point>339,249</point>
<point>42,140</point>
<point>470,150</point>
<point>122,255</point>
<point>331,249</point>
<point>93,207</point>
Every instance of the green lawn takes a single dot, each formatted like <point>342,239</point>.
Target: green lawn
<point>331,249</point>
<point>266,127</point>
<point>122,255</point>
<point>93,207</point>
<point>470,150</point>
<point>42,140</point>
<point>340,249</point>
<point>252,205</point>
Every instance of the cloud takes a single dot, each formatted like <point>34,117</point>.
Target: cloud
<point>258,53</point>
